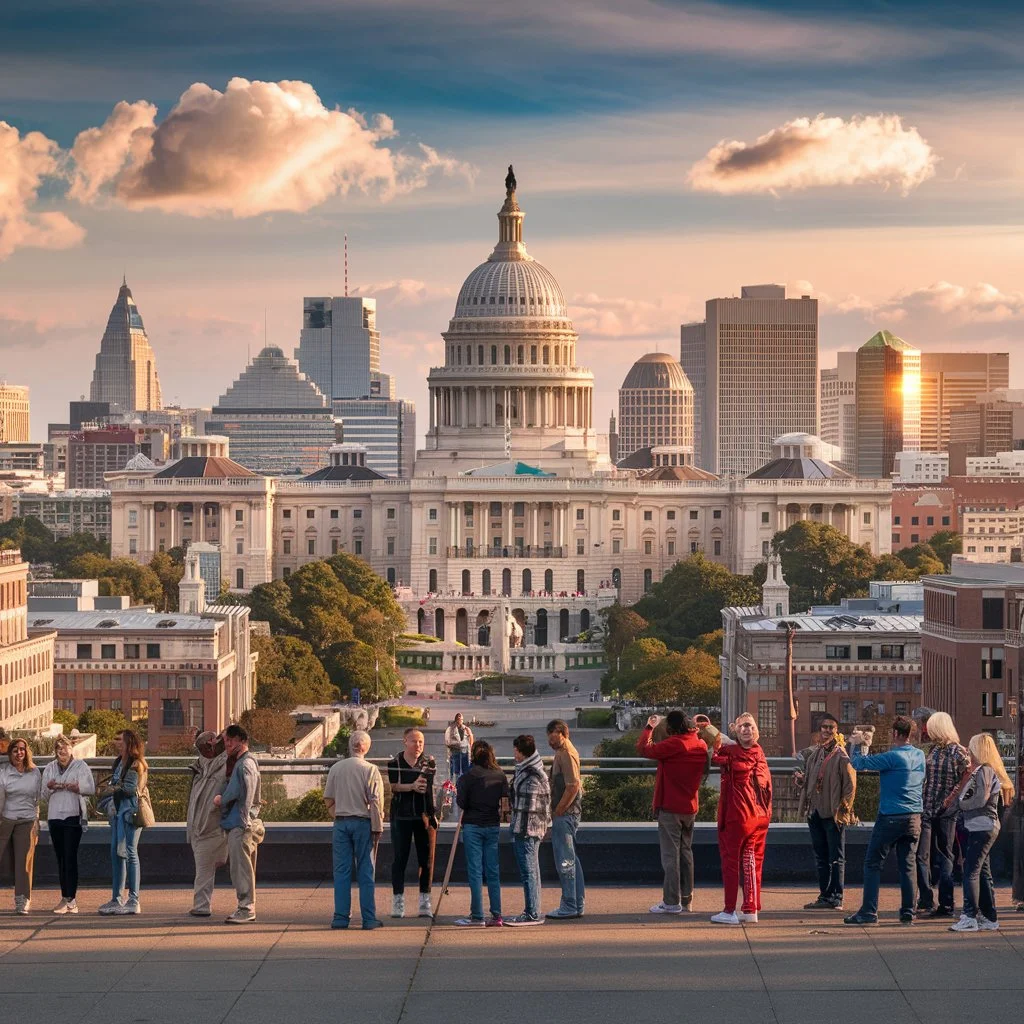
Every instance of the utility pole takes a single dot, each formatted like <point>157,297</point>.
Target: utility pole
<point>791,711</point>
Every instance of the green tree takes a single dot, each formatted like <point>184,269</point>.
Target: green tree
<point>921,560</point>
<point>289,673</point>
<point>688,601</point>
<point>67,549</point>
<point>821,564</point>
<point>622,626</point>
<point>891,567</point>
<point>120,576</point>
<point>68,719</point>
<point>106,725</point>
<point>268,728</point>
<point>34,539</point>
<point>690,679</point>
<point>312,807</point>
<point>169,573</point>
<point>946,544</point>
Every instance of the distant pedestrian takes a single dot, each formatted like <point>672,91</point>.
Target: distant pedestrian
<point>531,819</point>
<point>354,794</point>
<point>123,798</point>
<point>202,819</point>
<point>483,797</point>
<point>981,796</point>
<point>566,812</point>
<point>828,786</point>
<point>67,781</point>
<point>744,813</point>
<point>239,818</point>
<point>901,775</point>
<point>20,789</point>
<point>458,738</point>
<point>682,757</point>
<point>946,764</point>
<point>413,820</point>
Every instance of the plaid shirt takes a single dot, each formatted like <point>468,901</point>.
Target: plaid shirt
<point>945,765</point>
<point>531,798</point>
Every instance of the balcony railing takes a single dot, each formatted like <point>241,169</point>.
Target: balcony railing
<point>510,551</point>
<point>12,556</point>
<point>1014,638</point>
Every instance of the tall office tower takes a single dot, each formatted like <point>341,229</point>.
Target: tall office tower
<point>94,453</point>
<point>14,418</point>
<point>125,374</point>
<point>655,406</point>
<point>761,365</point>
<point>692,358</point>
<point>888,403</point>
<point>339,347</point>
<point>993,423</point>
<point>386,427</point>
<point>953,379</point>
<point>277,419</point>
<point>839,408</point>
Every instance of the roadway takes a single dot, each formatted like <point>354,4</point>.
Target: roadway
<point>617,964</point>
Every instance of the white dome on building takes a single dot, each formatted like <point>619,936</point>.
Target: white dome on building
<point>516,287</point>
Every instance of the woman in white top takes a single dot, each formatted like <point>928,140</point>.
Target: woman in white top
<point>67,781</point>
<point>20,785</point>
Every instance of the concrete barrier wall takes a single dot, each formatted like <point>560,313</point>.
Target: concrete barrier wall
<point>612,854</point>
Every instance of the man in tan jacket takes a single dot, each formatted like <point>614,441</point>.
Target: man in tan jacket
<point>828,785</point>
<point>208,840</point>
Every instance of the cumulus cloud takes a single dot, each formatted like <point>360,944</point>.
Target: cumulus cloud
<point>978,303</point>
<point>25,162</point>
<point>406,291</point>
<point>595,317</point>
<point>825,151</point>
<point>256,147</point>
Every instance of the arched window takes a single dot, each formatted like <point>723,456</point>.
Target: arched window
<point>546,355</point>
<point>563,624</point>
<point>439,623</point>
<point>466,585</point>
<point>617,578</point>
<point>432,585</point>
<point>527,581</point>
<point>480,355</point>
<point>533,355</point>
<point>585,619</point>
<point>648,581</point>
<point>540,632</point>
<point>485,582</point>
<point>494,355</point>
<point>506,582</point>
<point>240,579</point>
<point>558,358</point>
<point>458,354</point>
<point>581,581</point>
<point>520,355</point>
<point>549,580</point>
<point>469,355</point>
<point>391,576</point>
<point>508,355</point>
<point>421,616</point>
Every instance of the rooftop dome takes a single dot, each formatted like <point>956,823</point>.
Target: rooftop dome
<point>657,370</point>
<point>511,282</point>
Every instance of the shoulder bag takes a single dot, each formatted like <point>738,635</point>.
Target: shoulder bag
<point>144,816</point>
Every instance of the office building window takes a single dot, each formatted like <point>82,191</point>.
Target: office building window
<point>837,651</point>
<point>133,546</point>
<point>131,652</point>
<point>616,515</point>
<point>357,513</point>
<point>84,652</point>
<point>768,717</point>
<point>391,545</point>
<point>239,547</point>
<point>108,652</point>
<point>334,545</point>
<point>334,513</point>
<point>310,513</point>
<point>133,517</point>
<point>991,613</point>
<point>310,547</point>
<point>693,513</point>
<point>992,663</point>
<point>140,709</point>
<point>716,514</point>
<point>718,547</point>
<point>358,547</point>
<point>581,546</point>
<point>764,548</point>
<point>579,515</point>
<point>766,518</point>
<point>432,515</point>
<point>616,546</point>
<point>238,515</point>
<point>287,513</point>
<point>671,547</point>
<point>391,513</point>
<point>173,714</point>
<point>867,519</point>
<point>648,516</point>
<point>647,547</point>
<point>432,546</point>
<point>670,514</point>
<point>153,652</point>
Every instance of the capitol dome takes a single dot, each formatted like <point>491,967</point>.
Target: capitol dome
<point>519,287</point>
<point>657,370</point>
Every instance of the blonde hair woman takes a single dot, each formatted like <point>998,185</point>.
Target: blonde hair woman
<point>67,781</point>
<point>946,764</point>
<point>20,785</point>
<point>979,799</point>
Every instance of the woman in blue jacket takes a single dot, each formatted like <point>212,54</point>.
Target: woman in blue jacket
<point>122,796</point>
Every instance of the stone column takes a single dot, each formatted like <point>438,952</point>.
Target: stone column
<point>506,524</point>
<point>804,511</point>
<point>534,517</point>
<point>826,514</point>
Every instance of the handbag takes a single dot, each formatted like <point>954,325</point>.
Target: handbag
<point>144,816</point>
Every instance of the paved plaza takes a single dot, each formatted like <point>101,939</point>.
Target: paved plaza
<point>618,964</point>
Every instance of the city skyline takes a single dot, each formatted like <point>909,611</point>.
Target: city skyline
<point>634,202</point>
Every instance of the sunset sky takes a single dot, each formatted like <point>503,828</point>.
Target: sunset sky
<point>870,153</point>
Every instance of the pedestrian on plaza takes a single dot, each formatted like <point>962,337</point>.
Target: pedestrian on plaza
<point>921,716</point>
<point>20,790</point>
<point>482,794</point>
<point>458,738</point>
<point>67,781</point>
<point>901,775</point>
<point>354,794</point>
<point>239,818</point>
<point>202,819</point>
<point>566,811</point>
<point>531,819</point>
<point>123,798</point>
<point>986,790</point>
<point>828,785</point>
<point>946,765</point>
<point>745,810</point>
<point>413,820</point>
<point>682,757</point>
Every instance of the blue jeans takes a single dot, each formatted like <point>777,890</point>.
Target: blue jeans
<point>527,850</point>
<point>567,863</point>
<point>458,765</point>
<point>892,831</point>
<point>829,842</point>
<point>352,840</point>
<point>979,891</point>
<point>128,865</point>
<point>935,859</point>
<point>481,843</point>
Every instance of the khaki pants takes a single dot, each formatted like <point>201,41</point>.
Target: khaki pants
<point>22,835</point>
<point>209,851</point>
<point>242,848</point>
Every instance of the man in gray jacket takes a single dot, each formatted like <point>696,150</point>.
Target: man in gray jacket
<point>202,823</point>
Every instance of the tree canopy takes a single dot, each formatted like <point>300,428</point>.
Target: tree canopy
<point>121,576</point>
<point>38,544</point>
<point>289,673</point>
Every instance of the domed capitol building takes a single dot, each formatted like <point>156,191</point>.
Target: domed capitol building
<point>516,528</point>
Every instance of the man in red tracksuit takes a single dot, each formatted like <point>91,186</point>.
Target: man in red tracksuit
<point>744,811</point>
<point>682,758</point>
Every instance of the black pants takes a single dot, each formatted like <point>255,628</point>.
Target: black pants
<point>829,843</point>
<point>405,832</point>
<point>66,834</point>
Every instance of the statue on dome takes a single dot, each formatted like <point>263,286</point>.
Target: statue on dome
<point>510,180</point>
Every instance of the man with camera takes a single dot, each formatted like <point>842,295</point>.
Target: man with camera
<point>901,773</point>
<point>413,820</point>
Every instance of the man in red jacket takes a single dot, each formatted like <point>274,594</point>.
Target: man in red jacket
<point>682,758</point>
<point>744,811</point>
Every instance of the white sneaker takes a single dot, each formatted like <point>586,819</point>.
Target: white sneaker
<point>62,907</point>
<point>129,907</point>
<point>985,925</point>
<point>426,910</point>
<point>965,924</point>
<point>243,915</point>
<point>110,907</point>
<point>747,918</point>
<point>72,907</point>
<point>726,917</point>
<point>661,907</point>
<point>398,905</point>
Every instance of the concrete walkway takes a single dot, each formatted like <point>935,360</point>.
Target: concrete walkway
<point>617,964</point>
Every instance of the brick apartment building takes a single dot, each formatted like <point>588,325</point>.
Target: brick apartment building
<point>918,513</point>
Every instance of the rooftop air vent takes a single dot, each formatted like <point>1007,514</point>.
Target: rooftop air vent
<point>166,624</point>
<point>107,624</point>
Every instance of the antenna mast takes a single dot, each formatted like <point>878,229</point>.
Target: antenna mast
<point>346,265</point>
